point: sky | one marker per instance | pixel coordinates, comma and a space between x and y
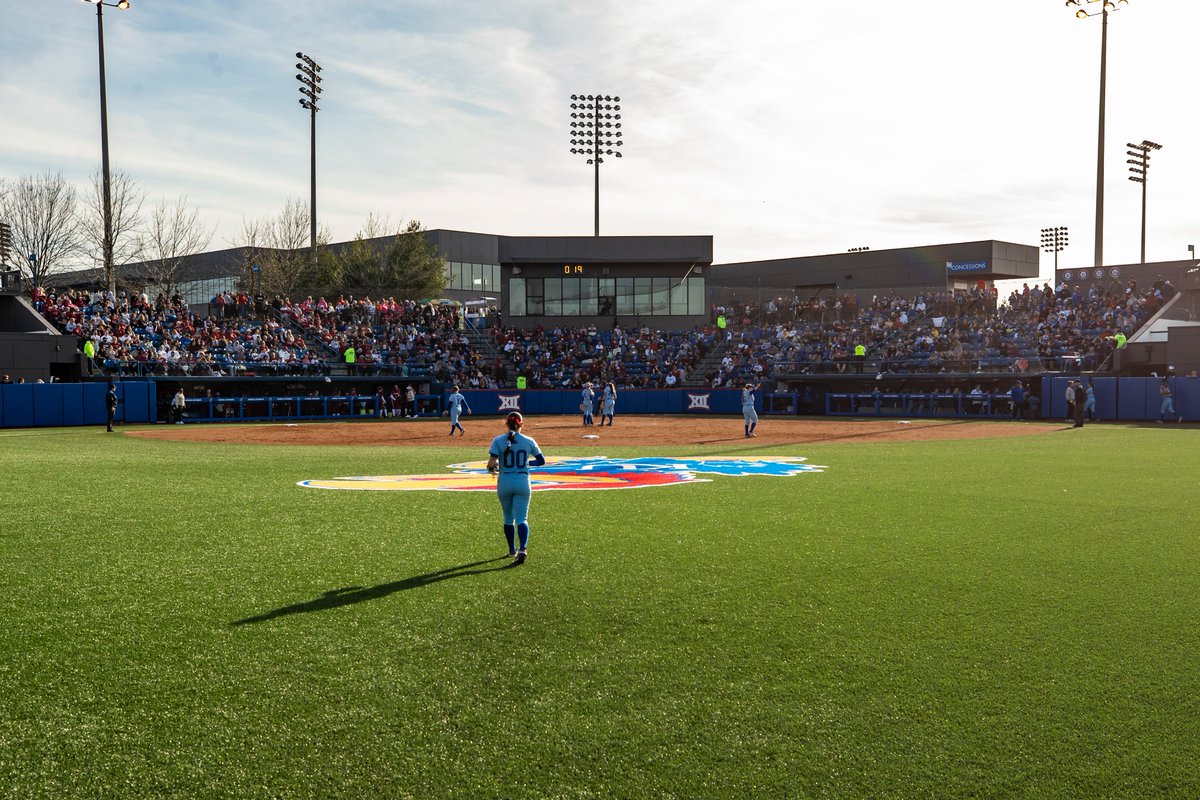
780, 127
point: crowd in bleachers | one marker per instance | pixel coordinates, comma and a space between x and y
132, 335
394, 337
635, 358
1036, 328
822, 334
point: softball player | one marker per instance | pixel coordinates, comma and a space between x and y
586, 405
456, 402
748, 413
511, 455
608, 404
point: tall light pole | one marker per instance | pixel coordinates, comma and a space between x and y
595, 130
1054, 240
1140, 167
1106, 7
109, 277
310, 80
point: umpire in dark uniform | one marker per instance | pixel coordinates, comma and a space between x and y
1077, 407
110, 403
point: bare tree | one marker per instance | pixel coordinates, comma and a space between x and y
127, 200
172, 233
46, 230
279, 246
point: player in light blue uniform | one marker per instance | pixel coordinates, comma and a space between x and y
608, 404
587, 404
748, 413
456, 403
511, 455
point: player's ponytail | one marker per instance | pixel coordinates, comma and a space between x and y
514, 421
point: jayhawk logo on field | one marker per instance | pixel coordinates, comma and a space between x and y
597, 472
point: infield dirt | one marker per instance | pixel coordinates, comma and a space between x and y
629, 431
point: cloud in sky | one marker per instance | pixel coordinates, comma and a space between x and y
781, 129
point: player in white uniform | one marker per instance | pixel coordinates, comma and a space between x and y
511, 455
608, 404
456, 403
749, 415
587, 404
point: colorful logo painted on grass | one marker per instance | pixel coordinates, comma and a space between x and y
596, 472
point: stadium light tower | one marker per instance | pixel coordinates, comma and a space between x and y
1139, 166
106, 180
595, 131
1106, 7
1054, 240
310, 80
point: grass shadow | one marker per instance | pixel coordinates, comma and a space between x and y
349, 595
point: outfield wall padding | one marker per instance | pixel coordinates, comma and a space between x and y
73, 404
629, 401
53, 405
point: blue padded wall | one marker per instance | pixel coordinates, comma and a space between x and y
18, 405
48, 405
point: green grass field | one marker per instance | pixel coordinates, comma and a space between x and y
987, 618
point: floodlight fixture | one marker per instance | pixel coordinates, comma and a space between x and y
1139, 169
593, 127
309, 78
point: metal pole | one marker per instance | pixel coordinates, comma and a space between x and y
1100, 142
1145, 180
312, 207
596, 148
110, 279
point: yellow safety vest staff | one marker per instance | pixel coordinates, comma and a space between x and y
859, 350
350, 355
520, 381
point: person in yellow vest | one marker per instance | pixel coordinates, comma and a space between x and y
89, 352
1119, 338
350, 359
521, 382
860, 357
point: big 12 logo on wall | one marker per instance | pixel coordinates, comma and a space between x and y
594, 472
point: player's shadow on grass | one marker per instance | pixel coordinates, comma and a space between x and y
349, 595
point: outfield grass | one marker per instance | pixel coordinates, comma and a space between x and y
987, 618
